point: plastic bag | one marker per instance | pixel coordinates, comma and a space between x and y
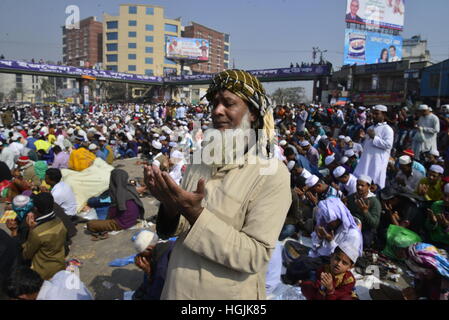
89, 215
121, 262
398, 237
286, 292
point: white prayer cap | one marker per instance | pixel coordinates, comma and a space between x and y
446, 188
155, 135
102, 138
380, 107
305, 143
343, 160
437, 169
362, 108
348, 139
312, 181
365, 178
350, 249
341, 137
405, 160
435, 153
287, 132
92, 147
163, 138
339, 171
156, 145
423, 107
291, 165
349, 153
172, 144
329, 160
283, 143
145, 239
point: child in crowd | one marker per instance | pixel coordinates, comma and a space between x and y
334, 281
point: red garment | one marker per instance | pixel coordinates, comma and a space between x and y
343, 284
24, 134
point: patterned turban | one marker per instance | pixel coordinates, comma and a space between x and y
248, 88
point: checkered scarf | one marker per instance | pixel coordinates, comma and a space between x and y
248, 88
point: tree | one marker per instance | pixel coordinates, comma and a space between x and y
294, 95
47, 87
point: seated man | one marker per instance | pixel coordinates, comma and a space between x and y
45, 245
334, 281
152, 259
408, 178
62, 192
347, 181
61, 158
366, 207
430, 188
26, 284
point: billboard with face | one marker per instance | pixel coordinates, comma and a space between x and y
380, 13
363, 47
187, 49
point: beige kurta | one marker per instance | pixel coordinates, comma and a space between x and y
224, 256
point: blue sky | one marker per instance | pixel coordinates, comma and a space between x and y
264, 33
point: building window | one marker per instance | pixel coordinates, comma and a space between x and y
167, 61
132, 68
148, 49
171, 28
112, 68
112, 47
227, 38
110, 36
149, 60
226, 56
132, 10
132, 34
132, 45
111, 58
149, 72
112, 24
226, 48
226, 65
132, 23
149, 39
150, 11
149, 27
131, 56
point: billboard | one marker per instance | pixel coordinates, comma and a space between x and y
364, 47
187, 48
380, 13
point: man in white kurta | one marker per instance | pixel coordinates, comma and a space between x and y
425, 139
376, 148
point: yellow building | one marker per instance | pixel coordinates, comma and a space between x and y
134, 41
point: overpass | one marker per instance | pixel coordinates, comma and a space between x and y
313, 72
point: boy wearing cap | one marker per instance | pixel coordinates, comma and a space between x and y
334, 281
431, 187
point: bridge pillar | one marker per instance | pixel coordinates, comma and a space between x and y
84, 91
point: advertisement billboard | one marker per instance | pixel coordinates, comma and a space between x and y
380, 13
187, 48
364, 47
